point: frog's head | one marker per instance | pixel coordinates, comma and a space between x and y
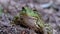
29, 12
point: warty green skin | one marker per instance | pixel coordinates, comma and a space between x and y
46, 27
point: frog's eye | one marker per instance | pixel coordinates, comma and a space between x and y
23, 9
34, 10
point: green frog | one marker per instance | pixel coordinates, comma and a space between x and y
28, 14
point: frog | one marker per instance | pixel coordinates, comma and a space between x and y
39, 22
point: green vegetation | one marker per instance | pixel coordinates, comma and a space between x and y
1, 11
